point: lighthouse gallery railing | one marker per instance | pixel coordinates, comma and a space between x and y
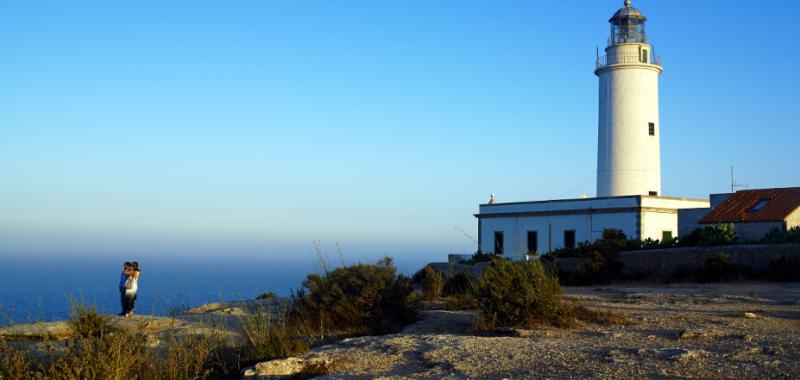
614, 59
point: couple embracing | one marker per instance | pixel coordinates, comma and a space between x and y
128, 286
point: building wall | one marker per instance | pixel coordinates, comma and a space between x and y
628, 157
639, 217
717, 199
689, 219
654, 223
793, 220
756, 231
550, 230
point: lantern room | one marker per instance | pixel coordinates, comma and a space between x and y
627, 26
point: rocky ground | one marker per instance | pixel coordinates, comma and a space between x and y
708, 331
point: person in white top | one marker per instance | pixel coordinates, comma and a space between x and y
131, 288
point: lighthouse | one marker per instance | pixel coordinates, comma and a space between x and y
629, 195
628, 150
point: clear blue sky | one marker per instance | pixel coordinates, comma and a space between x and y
264, 125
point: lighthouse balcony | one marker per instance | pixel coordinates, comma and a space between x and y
628, 58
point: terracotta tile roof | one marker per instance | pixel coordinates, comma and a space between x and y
741, 206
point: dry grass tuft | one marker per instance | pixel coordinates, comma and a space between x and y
272, 332
98, 351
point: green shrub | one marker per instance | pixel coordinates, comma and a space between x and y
479, 257
612, 241
518, 294
718, 267
785, 268
430, 281
718, 234
658, 244
781, 236
359, 299
459, 284
599, 268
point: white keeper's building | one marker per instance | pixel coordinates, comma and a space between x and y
628, 163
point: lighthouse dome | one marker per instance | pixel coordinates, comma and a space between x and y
627, 12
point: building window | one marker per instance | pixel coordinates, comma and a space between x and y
645, 56
653, 193
651, 128
498, 242
758, 206
666, 235
533, 242
569, 239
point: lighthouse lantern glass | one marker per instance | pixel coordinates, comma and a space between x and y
627, 29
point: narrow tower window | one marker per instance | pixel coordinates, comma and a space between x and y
498, 242
652, 128
645, 56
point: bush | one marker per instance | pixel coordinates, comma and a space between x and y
612, 241
719, 234
85, 323
518, 294
459, 284
599, 268
781, 236
430, 281
785, 268
359, 299
718, 267
479, 257
271, 332
97, 351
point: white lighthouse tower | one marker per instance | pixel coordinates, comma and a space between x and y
629, 195
628, 154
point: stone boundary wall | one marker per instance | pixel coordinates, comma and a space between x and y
662, 264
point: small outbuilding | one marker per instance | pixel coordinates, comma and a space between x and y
755, 212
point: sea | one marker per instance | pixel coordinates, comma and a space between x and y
40, 287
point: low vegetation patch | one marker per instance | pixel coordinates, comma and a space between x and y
518, 294
785, 267
359, 299
98, 351
272, 331
430, 281
459, 284
719, 267
714, 235
478, 257
780, 236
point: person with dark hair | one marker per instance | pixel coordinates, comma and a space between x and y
123, 278
131, 288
